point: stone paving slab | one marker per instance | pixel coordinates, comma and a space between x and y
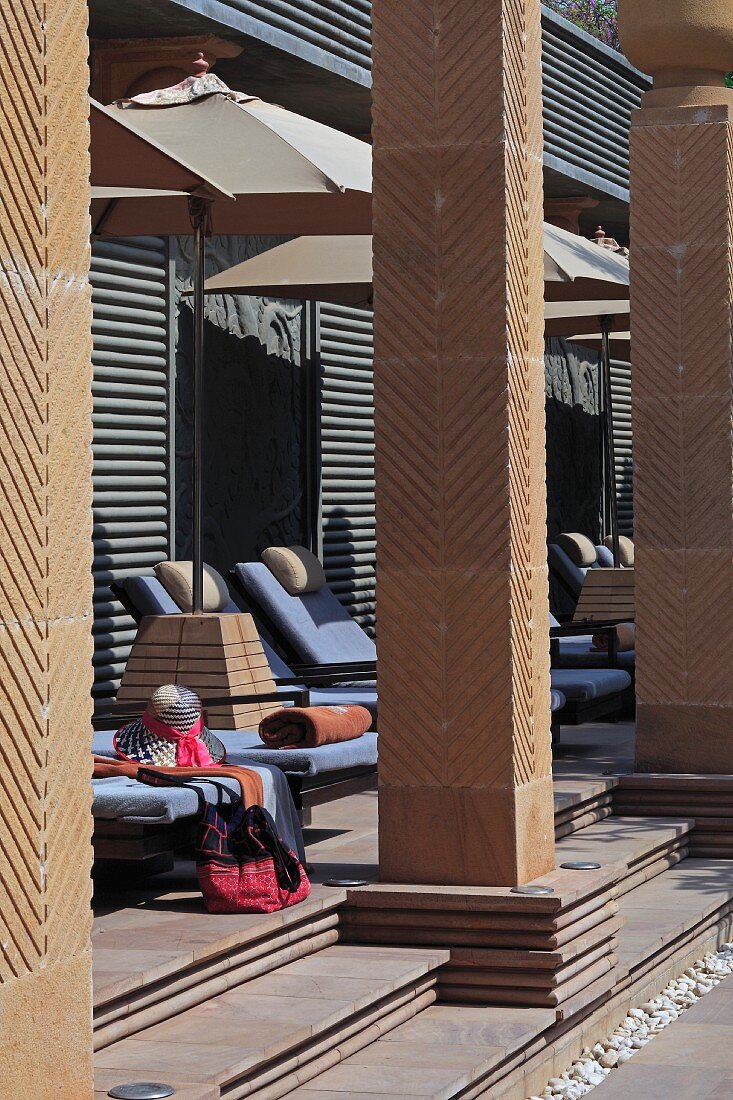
269, 1018
439, 1053
668, 906
692, 1059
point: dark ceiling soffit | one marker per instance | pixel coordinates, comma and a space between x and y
232, 20
589, 183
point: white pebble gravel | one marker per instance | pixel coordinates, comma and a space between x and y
640, 1027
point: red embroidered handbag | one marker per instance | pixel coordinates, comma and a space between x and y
242, 864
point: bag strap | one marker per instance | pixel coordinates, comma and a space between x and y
287, 866
161, 779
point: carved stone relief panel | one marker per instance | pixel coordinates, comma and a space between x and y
573, 439
254, 464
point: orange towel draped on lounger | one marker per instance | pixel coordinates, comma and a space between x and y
249, 781
309, 727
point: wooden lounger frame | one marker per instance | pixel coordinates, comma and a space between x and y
607, 595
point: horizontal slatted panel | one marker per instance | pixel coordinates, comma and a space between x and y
588, 94
589, 90
606, 593
130, 387
622, 441
347, 454
340, 27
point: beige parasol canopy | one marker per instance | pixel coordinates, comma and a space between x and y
339, 269
289, 174
572, 318
581, 274
125, 160
569, 258
319, 268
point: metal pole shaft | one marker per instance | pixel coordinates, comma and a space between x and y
606, 323
603, 426
199, 216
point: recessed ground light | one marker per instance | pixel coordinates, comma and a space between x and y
532, 891
346, 882
141, 1090
618, 775
581, 865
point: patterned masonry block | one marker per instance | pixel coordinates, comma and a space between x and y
682, 336
465, 756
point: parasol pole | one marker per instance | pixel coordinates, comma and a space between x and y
200, 212
609, 448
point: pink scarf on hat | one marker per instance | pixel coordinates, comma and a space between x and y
191, 752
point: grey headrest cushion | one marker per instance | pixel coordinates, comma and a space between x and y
177, 579
625, 549
298, 570
578, 548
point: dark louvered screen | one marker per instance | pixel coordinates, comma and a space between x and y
347, 446
588, 94
131, 510
339, 27
621, 399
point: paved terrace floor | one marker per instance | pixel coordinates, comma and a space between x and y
146, 930
692, 1059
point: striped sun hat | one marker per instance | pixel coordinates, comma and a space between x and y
170, 733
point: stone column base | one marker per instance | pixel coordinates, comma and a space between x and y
685, 738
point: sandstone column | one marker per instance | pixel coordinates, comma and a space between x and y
465, 786
682, 346
45, 555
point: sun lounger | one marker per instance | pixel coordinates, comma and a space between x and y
147, 596
572, 647
570, 574
315, 775
592, 693
141, 826
313, 628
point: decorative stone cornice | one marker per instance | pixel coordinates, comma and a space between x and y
686, 45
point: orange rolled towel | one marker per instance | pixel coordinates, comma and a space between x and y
250, 781
309, 727
625, 639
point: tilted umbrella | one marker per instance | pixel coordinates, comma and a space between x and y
289, 175
124, 163
308, 269
577, 269
582, 280
585, 285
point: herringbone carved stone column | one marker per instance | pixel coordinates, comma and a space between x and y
45, 554
682, 341
465, 787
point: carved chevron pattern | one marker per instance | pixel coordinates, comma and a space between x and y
682, 290
462, 590
45, 487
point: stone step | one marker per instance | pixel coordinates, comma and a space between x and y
706, 798
446, 1051
680, 907
152, 963
645, 847
273, 1032
581, 802
562, 958
465, 1051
